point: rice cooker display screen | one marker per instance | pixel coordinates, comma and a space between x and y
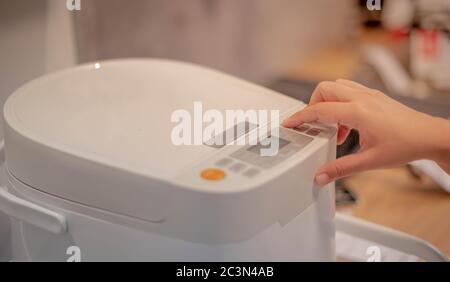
290, 142
257, 148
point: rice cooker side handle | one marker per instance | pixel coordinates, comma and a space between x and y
31, 213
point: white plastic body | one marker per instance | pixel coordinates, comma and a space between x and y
90, 148
103, 236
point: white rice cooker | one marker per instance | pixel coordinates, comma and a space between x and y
92, 171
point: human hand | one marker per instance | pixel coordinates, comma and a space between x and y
390, 133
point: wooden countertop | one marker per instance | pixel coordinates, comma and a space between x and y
392, 197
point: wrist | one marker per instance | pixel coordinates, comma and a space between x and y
438, 142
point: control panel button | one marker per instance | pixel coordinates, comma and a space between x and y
224, 162
237, 167
213, 174
313, 132
301, 128
251, 172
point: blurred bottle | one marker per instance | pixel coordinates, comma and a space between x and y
427, 22
430, 43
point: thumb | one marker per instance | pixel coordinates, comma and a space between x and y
344, 166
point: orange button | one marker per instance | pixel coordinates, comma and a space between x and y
213, 174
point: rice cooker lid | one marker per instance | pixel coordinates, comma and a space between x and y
117, 115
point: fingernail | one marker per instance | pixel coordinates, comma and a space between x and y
322, 179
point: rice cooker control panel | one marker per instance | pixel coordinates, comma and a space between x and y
249, 160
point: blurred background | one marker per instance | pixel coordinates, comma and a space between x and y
401, 47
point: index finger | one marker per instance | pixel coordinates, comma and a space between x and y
325, 112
